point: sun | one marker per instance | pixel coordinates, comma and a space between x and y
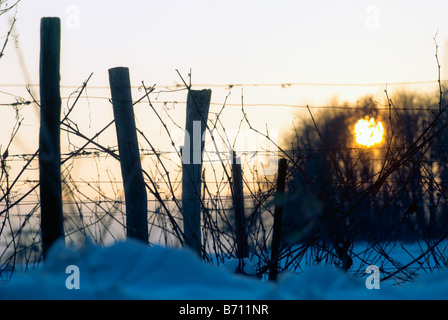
369, 132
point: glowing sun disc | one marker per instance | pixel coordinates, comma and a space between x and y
368, 132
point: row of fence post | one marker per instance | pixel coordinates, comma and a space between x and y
198, 103
49, 143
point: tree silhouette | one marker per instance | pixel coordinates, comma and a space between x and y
342, 192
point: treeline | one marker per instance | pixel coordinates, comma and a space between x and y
341, 192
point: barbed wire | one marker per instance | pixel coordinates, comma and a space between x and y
250, 105
20, 102
313, 152
280, 84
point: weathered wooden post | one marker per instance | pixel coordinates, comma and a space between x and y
131, 169
278, 212
198, 104
49, 133
238, 206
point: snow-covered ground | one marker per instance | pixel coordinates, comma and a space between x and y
130, 270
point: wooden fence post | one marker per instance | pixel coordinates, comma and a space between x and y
198, 104
278, 212
238, 205
52, 227
131, 169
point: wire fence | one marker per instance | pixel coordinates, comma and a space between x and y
328, 226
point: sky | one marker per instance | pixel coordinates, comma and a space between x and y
224, 42
354, 42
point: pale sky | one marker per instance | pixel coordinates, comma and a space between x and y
239, 41
228, 42
246, 41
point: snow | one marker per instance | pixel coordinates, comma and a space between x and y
131, 270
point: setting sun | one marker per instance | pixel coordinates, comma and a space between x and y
368, 132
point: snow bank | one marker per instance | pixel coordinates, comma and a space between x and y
130, 270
